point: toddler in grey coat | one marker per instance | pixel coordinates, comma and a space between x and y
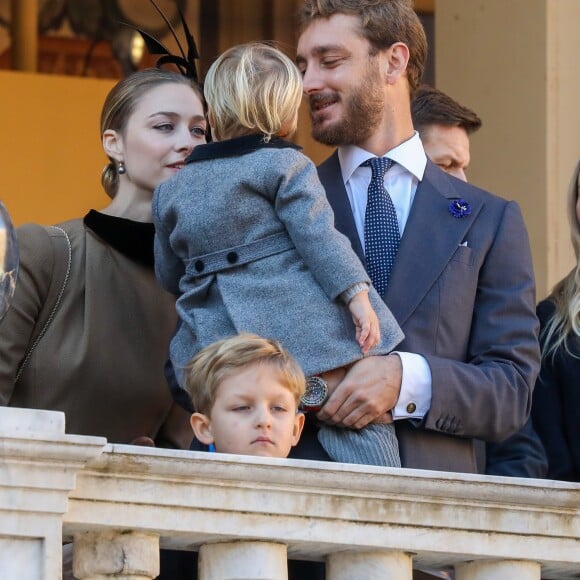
245, 237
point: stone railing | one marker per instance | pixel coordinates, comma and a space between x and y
247, 515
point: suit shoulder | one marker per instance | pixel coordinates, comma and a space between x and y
453, 187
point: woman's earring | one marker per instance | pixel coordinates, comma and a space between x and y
121, 169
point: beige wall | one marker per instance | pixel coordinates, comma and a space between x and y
514, 63
50, 146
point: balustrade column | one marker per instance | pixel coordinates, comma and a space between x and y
236, 560
498, 570
120, 555
373, 565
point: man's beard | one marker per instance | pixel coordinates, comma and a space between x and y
363, 109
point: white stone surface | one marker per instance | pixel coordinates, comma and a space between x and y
111, 554
21, 559
14, 420
375, 565
38, 465
318, 509
243, 561
354, 516
498, 570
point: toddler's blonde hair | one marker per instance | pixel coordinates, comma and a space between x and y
253, 88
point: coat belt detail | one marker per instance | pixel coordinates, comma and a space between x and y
239, 255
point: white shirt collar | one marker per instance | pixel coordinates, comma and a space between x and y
409, 154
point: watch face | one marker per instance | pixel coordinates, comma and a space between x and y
315, 394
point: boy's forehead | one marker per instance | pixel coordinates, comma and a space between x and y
254, 378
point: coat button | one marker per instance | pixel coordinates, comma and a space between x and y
199, 265
411, 408
232, 257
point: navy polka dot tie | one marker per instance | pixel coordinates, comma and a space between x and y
381, 228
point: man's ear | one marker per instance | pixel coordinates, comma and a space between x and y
201, 425
397, 61
298, 426
113, 144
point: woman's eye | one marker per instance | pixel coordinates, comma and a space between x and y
198, 131
164, 127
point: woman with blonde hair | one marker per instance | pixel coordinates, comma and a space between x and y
556, 401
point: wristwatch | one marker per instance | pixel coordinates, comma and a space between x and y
315, 395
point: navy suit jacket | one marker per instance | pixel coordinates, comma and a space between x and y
462, 289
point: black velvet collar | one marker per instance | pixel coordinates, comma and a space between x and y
132, 239
236, 147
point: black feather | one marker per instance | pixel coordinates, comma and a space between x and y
185, 63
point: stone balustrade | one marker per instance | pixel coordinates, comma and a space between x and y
246, 515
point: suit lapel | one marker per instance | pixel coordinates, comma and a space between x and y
431, 237
331, 177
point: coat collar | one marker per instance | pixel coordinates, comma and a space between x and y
236, 147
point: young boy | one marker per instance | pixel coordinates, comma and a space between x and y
246, 390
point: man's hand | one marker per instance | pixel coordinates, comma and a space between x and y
370, 389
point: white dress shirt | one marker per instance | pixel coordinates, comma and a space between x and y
401, 182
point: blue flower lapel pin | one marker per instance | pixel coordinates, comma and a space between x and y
459, 208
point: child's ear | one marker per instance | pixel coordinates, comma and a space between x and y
201, 425
298, 426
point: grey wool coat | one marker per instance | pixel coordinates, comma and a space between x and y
245, 237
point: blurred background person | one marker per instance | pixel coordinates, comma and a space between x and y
444, 127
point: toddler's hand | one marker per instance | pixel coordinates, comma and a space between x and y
365, 321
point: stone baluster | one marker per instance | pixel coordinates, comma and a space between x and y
237, 560
38, 468
123, 555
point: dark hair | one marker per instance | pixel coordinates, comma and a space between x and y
431, 106
122, 100
382, 22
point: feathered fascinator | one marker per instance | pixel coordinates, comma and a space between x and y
185, 61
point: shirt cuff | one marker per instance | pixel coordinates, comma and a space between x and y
415, 397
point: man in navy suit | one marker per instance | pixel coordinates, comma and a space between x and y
462, 285
445, 126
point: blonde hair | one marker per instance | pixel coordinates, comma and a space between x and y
564, 326
122, 101
208, 368
253, 88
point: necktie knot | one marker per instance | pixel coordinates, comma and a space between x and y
379, 166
